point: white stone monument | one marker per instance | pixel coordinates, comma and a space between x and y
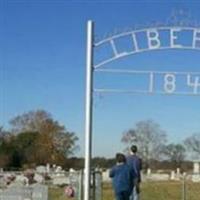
48, 168
148, 172
196, 171
178, 172
196, 168
41, 169
172, 177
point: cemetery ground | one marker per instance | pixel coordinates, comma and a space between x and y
162, 190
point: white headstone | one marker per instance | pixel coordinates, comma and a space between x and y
40, 192
54, 166
71, 170
196, 172
48, 168
196, 168
58, 169
38, 178
61, 180
105, 176
178, 172
172, 177
16, 193
21, 179
148, 172
41, 169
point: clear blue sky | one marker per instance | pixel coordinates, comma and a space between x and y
42, 66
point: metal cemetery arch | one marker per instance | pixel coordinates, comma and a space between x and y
153, 43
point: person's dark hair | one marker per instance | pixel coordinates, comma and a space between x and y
120, 158
134, 148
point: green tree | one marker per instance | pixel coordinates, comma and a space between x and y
25, 147
53, 143
3, 134
5, 155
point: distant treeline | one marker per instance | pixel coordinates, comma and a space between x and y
35, 138
106, 163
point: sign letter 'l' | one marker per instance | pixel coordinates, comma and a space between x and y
88, 109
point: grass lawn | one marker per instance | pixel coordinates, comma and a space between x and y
150, 191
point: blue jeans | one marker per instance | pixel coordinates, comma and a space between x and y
134, 195
122, 195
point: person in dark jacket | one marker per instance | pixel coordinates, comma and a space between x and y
122, 177
135, 164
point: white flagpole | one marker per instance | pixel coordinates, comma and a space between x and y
88, 110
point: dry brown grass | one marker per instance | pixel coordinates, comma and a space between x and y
149, 191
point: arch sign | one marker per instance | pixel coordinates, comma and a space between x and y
148, 39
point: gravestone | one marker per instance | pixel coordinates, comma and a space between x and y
196, 168
61, 180
41, 169
38, 178
76, 182
178, 172
172, 177
48, 168
58, 169
196, 172
148, 172
105, 176
16, 193
37, 192
98, 185
40, 192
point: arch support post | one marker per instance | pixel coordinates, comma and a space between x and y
88, 109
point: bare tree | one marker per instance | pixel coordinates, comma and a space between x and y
176, 153
34, 121
193, 144
149, 138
